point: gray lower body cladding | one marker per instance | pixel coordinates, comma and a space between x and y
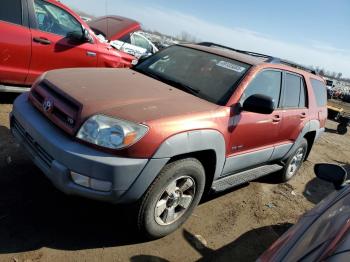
244, 177
57, 155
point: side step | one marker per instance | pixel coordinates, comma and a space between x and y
244, 177
14, 89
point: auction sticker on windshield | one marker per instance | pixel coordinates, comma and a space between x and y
231, 66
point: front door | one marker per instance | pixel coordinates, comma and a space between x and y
253, 135
51, 48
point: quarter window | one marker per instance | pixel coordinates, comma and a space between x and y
11, 11
320, 92
53, 19
266, 83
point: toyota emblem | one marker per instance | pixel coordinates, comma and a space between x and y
47, 105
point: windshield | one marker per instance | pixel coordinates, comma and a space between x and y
208, 76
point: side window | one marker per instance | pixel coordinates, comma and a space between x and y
141, 42
266, 83
320, 92
303, 95
53, 19
292, 91
11, 11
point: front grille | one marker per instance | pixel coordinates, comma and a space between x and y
45, 157
64, 111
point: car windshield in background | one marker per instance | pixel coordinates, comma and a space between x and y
208, 76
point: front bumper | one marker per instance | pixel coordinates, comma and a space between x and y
57, 154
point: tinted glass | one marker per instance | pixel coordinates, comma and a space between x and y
292, 92
320, 92
208, 76
303, 92
126, 39
266, 83
53, 19
11, 11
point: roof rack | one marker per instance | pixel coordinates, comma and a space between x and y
276, 60
209, 44
269, 59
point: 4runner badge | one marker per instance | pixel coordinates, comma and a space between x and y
47, 106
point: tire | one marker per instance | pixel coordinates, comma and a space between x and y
171, 198
294, 162
342, 129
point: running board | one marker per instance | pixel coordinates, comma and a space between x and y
244, 177
14, 89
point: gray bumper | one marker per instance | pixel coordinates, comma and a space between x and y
57, 154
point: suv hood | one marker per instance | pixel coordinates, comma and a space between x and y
125, 94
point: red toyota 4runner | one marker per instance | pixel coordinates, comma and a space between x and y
189, 119
40, 35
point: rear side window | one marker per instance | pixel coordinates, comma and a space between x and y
320, 92
11, 11
294, 93
303, 95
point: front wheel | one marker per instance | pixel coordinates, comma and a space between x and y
171, 198
295, 161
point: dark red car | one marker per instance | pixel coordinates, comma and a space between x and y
41, 35
323, 233
188, 119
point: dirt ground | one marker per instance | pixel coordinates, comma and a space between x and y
38, 223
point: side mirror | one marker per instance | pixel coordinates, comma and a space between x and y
82, 37
331, 173
260, 104
86, 36
143, 58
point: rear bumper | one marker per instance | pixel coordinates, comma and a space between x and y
57, 155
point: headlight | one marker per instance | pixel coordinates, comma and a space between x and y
111, 132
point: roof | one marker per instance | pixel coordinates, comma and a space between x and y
114, 27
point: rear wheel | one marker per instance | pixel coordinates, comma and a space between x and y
295, 161
171, 198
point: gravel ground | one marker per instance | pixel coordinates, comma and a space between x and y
39, 223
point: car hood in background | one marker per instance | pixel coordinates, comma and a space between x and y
113, 27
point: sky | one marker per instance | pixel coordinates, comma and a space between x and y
310, 32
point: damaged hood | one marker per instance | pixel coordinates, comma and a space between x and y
125, 94
113, 27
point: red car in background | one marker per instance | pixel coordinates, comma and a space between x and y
41, 35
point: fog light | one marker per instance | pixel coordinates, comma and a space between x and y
80, 179
92, 183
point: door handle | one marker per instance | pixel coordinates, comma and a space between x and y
41, 40
276, 118
303, 115
89, 53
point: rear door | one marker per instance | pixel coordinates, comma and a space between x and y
51, 48
295, 107
15, 42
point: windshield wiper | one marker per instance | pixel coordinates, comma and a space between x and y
172, 82
180, 85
